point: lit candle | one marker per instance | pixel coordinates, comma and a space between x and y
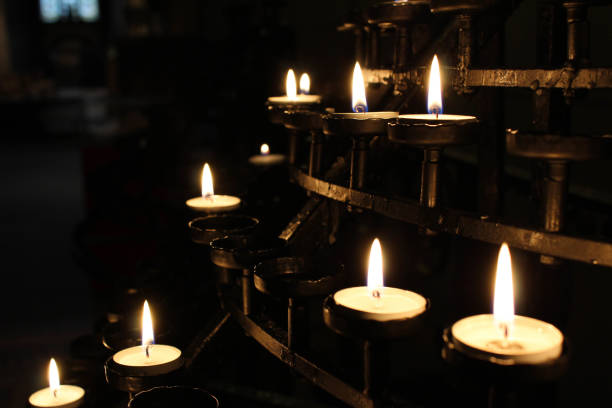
503, 336
434, 102
56, 395
265, 158
376, 301
148, 359
292, 98
211, 202
305, 84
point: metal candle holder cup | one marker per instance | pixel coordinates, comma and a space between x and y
295, 279
362, 128
240, 254
130, 379
556, 151
175, 396
432, 136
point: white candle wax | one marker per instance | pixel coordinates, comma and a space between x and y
431, 117
295, 100
393, 303
162, 359
531, 341
67, 396
215, 203
267, 159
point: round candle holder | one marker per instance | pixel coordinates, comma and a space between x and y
398, 12
239, 253
134, 379
206, 229
361, 127
311, 122
502, 371
369, 326
277, 105
432, 136
556, 151
170, 397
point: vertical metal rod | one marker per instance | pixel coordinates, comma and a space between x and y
246, 291
367, 368
291, 316
359, 157
373, 59
553, 201
577, 33
293, 146
403, 48
429, 178
316, 154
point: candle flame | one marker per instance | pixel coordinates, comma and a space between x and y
207, 182
264, 149
359, 98
54, 381
503, 300
375, 269
147, 326
305, 83
290, 85
434, 96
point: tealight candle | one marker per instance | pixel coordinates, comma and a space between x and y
149, 359
265, 158
434, 103
502, 336
209, 201
292, 98
56, 395
376, 301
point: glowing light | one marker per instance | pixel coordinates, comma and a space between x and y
305, 83
147, 326
54, 381
375, 269
207, 182
359, 98
434, 96
503, 300
264, 149
290, 85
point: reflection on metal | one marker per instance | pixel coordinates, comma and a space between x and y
464, 224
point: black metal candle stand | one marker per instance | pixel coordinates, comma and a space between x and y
502, 379
132, 380
295, 280
361, 130
306, 122
556, 151
243, 254
174, 396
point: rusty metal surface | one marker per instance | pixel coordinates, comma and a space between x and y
465, 224
274, 340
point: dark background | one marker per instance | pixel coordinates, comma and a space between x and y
99, 117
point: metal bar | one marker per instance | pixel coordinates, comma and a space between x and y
561, 78
310, 371
204, 337
464, 224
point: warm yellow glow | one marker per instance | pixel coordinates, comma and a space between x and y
54, 381
434, 97
359, 98
264, 149
375, 268
503, 300
207, 182
304, 83
290, 85
147, 325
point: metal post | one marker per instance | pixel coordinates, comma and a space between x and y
316, 154
246, 291
293, 146
553, 201
359, 157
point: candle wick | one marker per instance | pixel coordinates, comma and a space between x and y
377, 297
147, 350
55, 393
209, 197
436, 115
360, 108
